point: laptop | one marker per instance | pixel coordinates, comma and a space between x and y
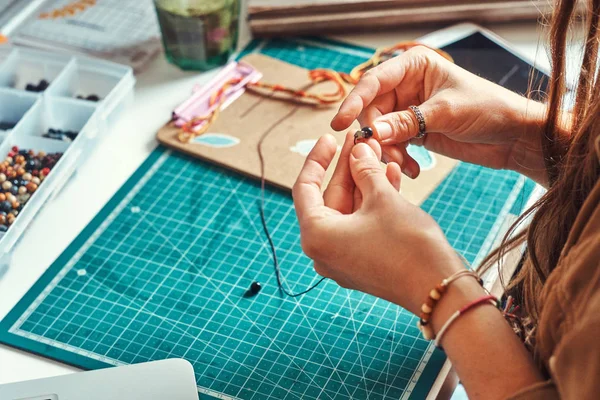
165, 379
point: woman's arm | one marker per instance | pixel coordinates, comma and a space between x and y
366, 237
488, 357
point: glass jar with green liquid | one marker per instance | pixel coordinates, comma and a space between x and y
198, 34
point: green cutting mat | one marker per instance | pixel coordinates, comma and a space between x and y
162, 269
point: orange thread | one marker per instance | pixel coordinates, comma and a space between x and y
188, 131
68, 10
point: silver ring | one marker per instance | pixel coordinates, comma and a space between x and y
420, 120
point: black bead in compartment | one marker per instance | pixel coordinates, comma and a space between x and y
39, 87
91, 97
59, 134
4, 126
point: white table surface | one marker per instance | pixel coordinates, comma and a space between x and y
159, 89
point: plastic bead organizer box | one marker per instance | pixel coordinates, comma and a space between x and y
127, 291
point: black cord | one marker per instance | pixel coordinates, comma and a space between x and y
262, 213
276, 262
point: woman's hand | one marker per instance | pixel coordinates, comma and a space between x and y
467, 117
362, 233
377, 242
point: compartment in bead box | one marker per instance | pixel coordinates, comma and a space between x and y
22, 68
88, 80
33, 113
27, 163
57, 119
14, 105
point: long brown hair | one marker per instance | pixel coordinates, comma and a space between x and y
568, 142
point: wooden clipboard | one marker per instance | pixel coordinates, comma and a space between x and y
292, 131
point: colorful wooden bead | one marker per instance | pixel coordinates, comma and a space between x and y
22, 190
5, 206
434, 294
430, 302
31, 187
27, 176
6, 185
35, 180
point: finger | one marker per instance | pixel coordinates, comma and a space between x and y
379, 80
358, 199
340, 189
399, 154
375, 146
307, 189
401, 126
394, 175
366, 171
387, 158
380, 106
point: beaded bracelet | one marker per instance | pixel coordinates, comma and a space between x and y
434, 297
483, 300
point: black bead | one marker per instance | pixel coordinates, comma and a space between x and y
30, 87
43, 85
3, 228
5, 206
4, 126
16, 182
14, 190
71, 135
255, 287
368, 132
93, 97
33, 163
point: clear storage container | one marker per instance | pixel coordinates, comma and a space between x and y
25, 116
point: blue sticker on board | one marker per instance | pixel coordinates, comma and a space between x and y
303, 147
217, 140
425, 159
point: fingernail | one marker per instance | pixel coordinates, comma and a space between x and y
384, 130
408, 173
363, 150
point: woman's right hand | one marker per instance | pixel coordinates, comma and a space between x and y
467, 117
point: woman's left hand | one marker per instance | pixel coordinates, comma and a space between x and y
362, 233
